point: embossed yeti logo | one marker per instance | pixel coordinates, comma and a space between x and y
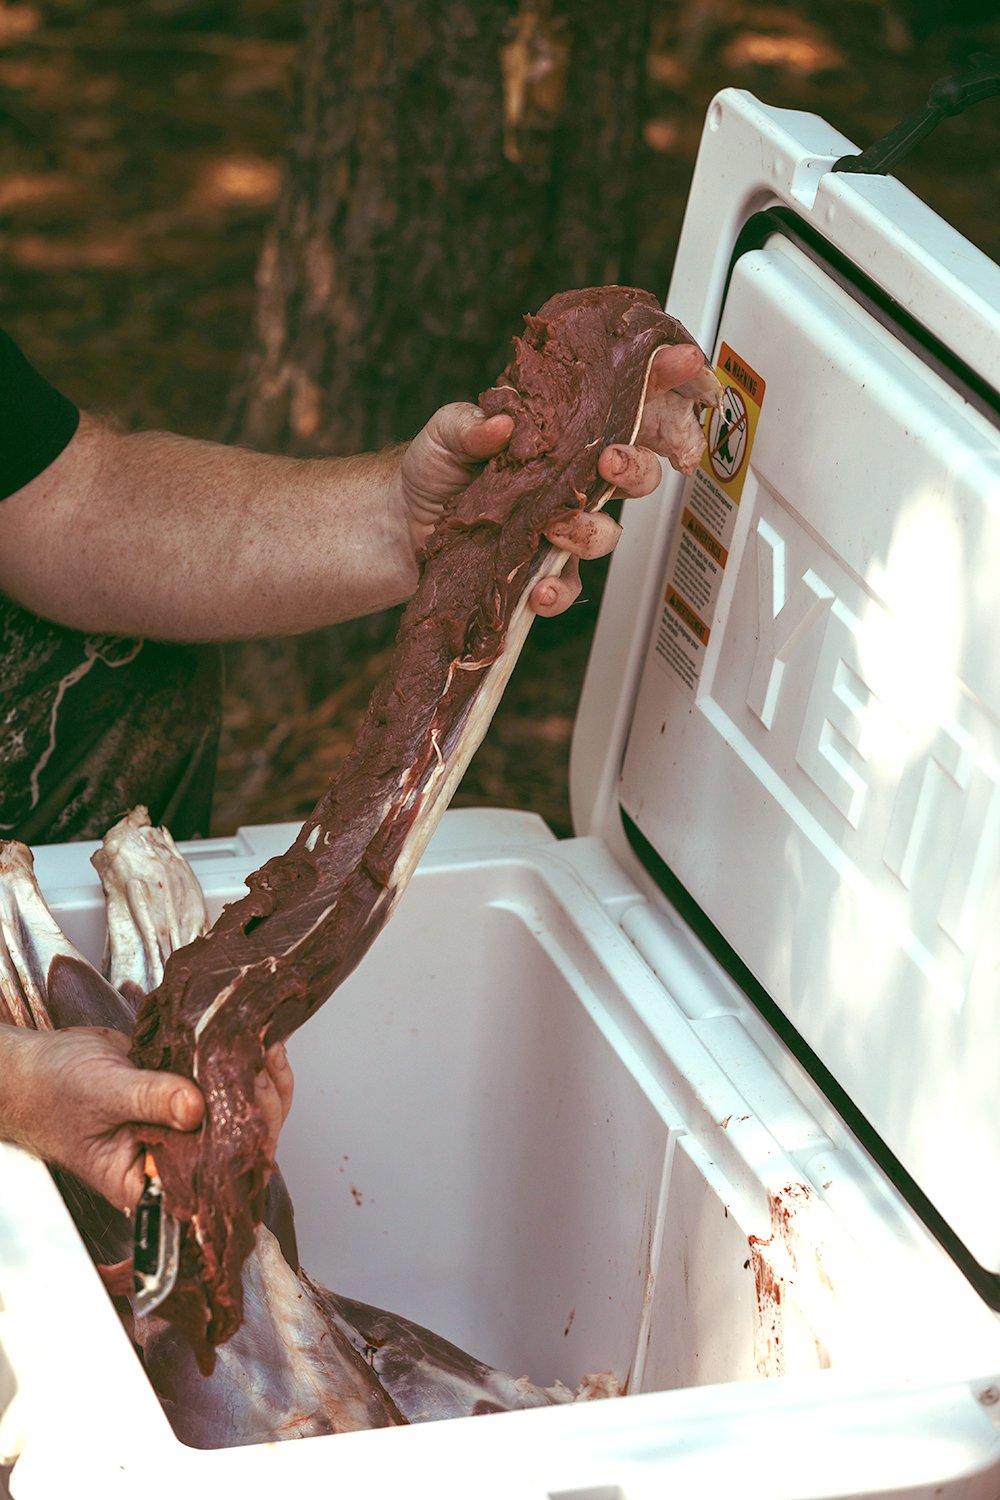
946, 777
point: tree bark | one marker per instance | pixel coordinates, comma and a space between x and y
451, 165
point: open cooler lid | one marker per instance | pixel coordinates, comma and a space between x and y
798, 656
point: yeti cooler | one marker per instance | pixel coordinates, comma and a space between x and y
706, 1095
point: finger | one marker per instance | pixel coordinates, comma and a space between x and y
586, 534
280, 1071
554, 595
672, 365
154, 1099
633, 471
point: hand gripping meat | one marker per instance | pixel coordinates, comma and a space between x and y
154, 903
577, 382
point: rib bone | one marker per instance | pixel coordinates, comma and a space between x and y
154, 902
44, 978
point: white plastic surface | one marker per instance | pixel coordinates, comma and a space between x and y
507, 1127
831, 795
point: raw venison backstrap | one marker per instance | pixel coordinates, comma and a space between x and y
576, 382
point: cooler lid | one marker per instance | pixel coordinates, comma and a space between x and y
807, 709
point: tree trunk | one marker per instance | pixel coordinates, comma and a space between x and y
452, 164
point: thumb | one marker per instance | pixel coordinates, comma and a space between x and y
467, 433
449, 425
159, 1099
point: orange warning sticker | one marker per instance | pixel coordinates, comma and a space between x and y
734, 369
706, 525
701, 534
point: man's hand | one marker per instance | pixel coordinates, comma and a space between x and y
448, 453
82, 1105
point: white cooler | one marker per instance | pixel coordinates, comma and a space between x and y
706, 1095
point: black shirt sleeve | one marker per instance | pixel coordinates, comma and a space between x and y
36, 421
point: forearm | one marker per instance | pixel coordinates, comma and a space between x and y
170, 538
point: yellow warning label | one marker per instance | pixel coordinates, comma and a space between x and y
731, 430
705, 528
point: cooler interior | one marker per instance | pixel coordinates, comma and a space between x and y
505, 1128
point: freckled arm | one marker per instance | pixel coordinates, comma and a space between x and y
170, 538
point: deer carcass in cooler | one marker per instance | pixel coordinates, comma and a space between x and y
304, 1362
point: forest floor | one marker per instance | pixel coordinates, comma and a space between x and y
140, 157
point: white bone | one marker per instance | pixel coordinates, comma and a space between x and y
154, 901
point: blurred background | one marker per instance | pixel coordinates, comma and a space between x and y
304, 226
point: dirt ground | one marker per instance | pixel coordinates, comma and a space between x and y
140, 156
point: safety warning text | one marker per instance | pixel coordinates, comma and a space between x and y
703, 535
